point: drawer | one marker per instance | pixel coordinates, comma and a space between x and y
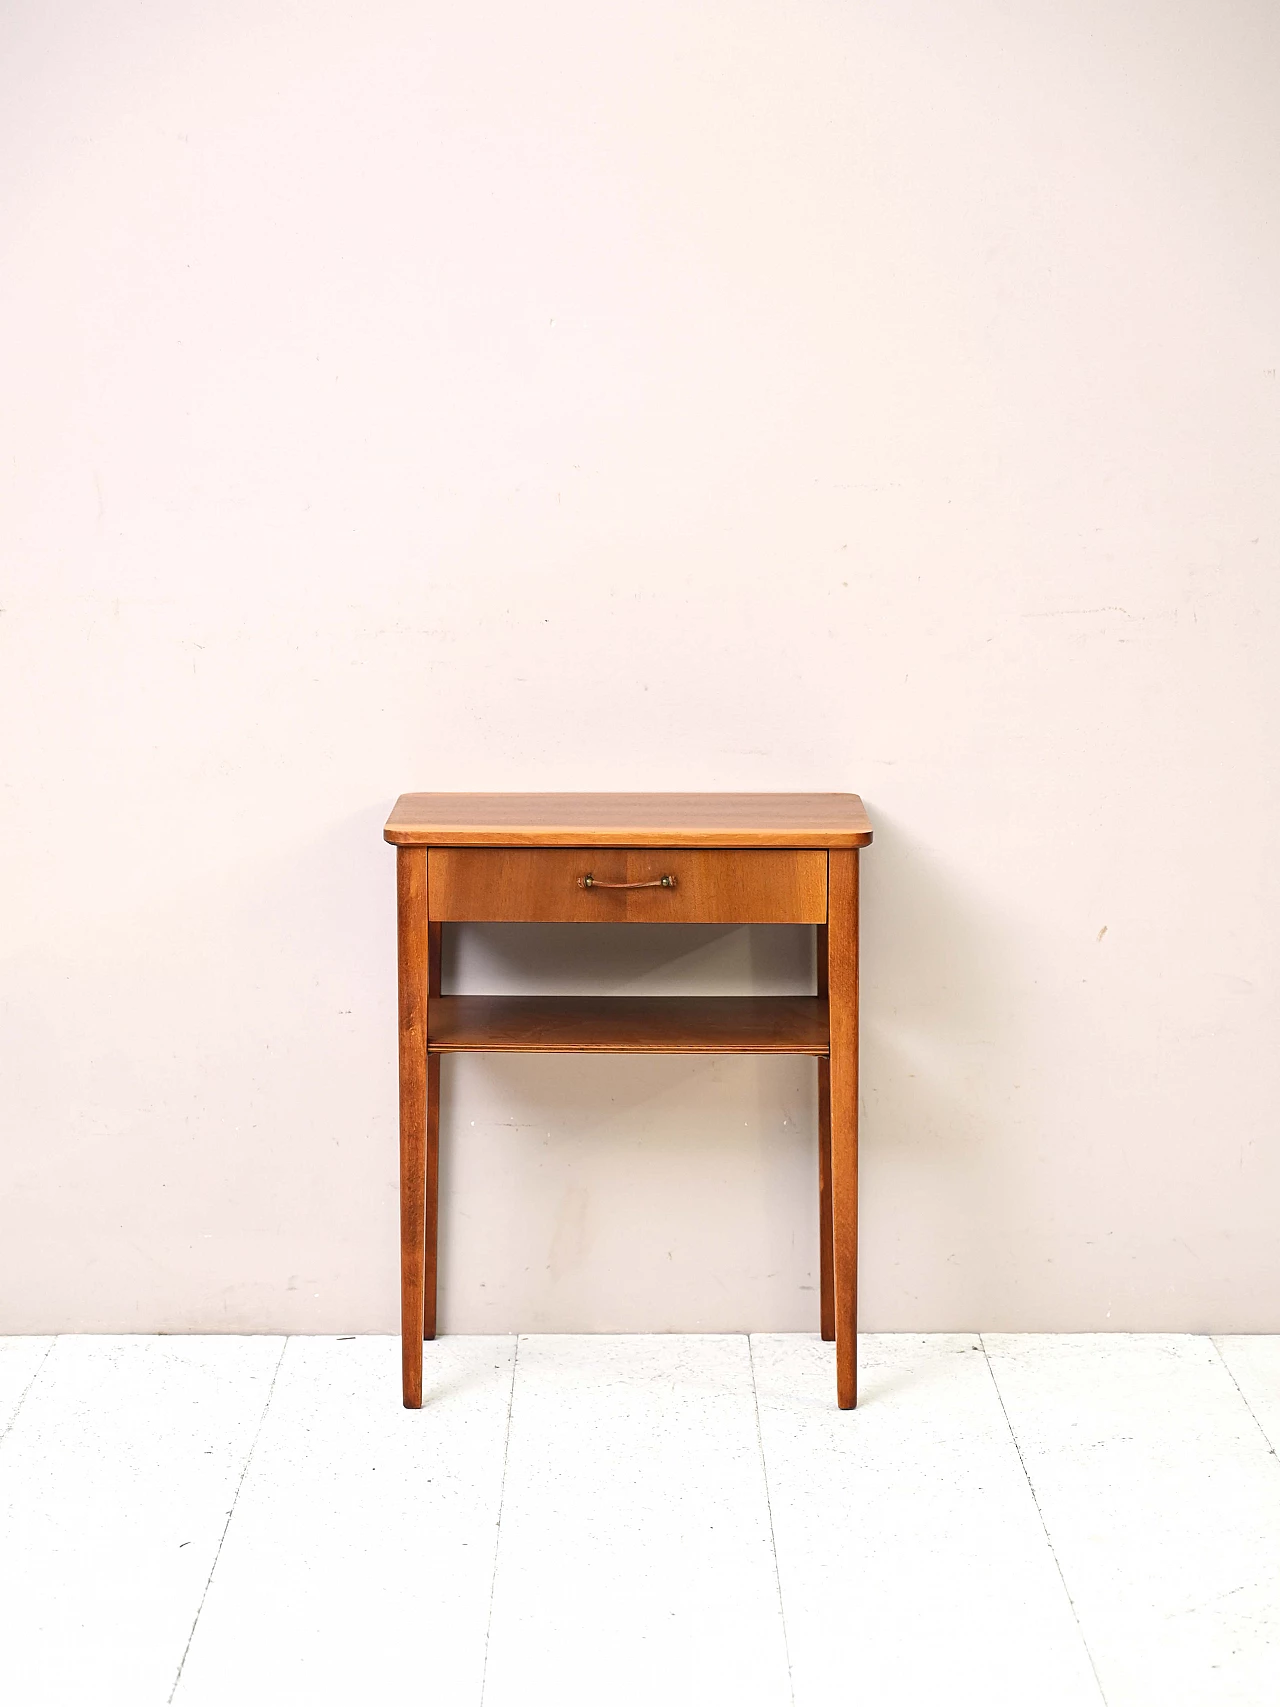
719, 886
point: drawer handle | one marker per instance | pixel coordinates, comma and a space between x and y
667, 881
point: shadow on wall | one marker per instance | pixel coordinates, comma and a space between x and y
608, 959
595, 1194
628, 1193
942, 1015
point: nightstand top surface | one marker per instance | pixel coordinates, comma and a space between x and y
629, 820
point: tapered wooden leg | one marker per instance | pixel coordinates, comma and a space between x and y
411, 920
431, 1196
431, 1193
842, 995
825, 1277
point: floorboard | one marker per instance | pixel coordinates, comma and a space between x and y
360, 1562
634, 1563
1162, 1502
914, 1565
1254, 1363
115, 1484
20, 1358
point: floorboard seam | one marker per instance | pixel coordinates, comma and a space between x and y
22, 1397
502, 1495
1213, 1341
244, 1471
1053, 1552
768, 1505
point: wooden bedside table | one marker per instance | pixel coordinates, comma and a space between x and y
626, 858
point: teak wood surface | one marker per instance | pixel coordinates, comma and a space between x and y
737, 886
629, 820
777, 857
842, 1001
412, 950
631, 1025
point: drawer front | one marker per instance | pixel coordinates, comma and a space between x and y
718, 886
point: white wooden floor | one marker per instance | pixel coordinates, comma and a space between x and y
1021, 1520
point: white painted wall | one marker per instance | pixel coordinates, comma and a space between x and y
781, 395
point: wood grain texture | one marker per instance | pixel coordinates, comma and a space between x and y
826, 1253
431, 1175
411, 941
431, 1200
842, 995
629, 820
660, 1025
716, 887
826, 1278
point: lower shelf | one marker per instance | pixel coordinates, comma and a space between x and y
658, 1025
